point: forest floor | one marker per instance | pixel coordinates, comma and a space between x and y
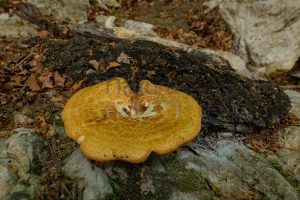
33, 96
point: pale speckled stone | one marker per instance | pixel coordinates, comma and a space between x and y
66, 10
21, 156
267, 32
183, 196
95, 183
15, 26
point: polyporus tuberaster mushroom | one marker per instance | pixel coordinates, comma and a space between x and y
111, 122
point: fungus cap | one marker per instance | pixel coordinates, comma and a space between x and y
111, 122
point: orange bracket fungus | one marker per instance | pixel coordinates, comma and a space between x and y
111, 122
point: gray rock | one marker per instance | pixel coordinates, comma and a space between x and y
236, 63
106, 21
111, 3
222, 175
7, 179
186, 155
22, 157
94, 183
106, 4
21, 119
268, 31
15, 26
295, 101
66, 10
192, 166
24, 192
2, 148
27, 149
136, 26
287, 158
157, 166
182, 196
256, 171
140, 27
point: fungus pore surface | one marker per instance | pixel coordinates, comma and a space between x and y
111, 122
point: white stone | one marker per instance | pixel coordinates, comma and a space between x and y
111, 3
183, 196
106, 21
192, 166
268, 32
95, 182
140, 27
15, 26
236, 63
66, 10
106, 4
295, 101
20, 148
6, 181
4, 16
21, 119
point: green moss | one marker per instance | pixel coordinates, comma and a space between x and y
180, 179
177, 178
59, 123
126, 189
116, 185
117, 14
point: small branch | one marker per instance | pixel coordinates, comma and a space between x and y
289, 86
28, 56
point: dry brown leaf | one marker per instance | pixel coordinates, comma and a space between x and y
31, 94
50, 133
113, 65
45, 78
59, 79
39, 67
37, 58
43, 34
23, 72
26, 111
69, 83
5, 134
10, 85
41, 125
32, 83
16, 79
95, 64
98, 65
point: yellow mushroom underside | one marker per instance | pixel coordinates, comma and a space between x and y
111, 122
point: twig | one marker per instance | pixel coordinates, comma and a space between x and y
290, 86
24, 59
